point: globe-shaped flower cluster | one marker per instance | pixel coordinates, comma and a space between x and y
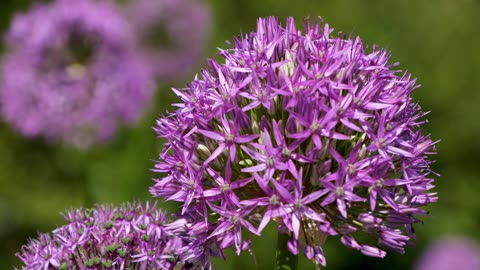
171, 33
133, 236
72, 73
312, 131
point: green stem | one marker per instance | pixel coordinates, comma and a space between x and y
87, 196
83, 177
73, 165
284, 259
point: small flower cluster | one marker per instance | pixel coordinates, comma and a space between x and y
171, 33
71, 75
308, 130
134, 236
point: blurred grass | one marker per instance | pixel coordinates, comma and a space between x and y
437, 41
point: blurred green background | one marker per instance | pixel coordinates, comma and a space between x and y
438, 41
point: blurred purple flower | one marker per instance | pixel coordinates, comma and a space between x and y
305, 129
450, 253
173, 33
134, 236
72, 75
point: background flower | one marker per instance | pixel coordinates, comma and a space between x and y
307, 129
450, 253
71, 75
173, 33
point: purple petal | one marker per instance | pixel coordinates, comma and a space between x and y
212, 135
256, 168
245, 138
314, 196
372, 251
342, 207
295, 225
215, 154
282, 192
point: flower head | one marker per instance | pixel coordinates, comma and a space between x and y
133, 236
71, 75
172, 33
305, 129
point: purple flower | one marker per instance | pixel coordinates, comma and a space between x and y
133, 236
71, 75
450, 253
306, 129
172, 33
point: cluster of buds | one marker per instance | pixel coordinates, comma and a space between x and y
134, 236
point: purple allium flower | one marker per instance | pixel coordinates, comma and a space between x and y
133, 236
172, 32
308, 130
450, 253
72, 75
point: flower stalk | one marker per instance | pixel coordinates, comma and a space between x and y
284, 259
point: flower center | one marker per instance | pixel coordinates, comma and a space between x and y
76, 71
274, 200
382, 143
71, 55
379, 183
235, 219
351, 169
229, 137
262, 95
315, 126
224, 187
340, 191
298, 203
286, 152
269, 161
